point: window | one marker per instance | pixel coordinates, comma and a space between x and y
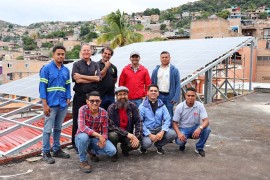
268, 44
208, 37
266, 33
263, 58
26, 65
9, 65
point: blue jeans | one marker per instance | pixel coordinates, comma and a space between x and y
107, 101
137, 102
167, 101
188, 133
169, 136
84, 143
55, 121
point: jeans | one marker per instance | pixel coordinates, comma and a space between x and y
125, 142
85, 143
107, 101
188, 133
137, 102
168, 136
167, 101
55, 121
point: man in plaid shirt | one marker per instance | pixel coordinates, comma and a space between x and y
92, 133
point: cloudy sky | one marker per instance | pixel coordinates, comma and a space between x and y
25, 12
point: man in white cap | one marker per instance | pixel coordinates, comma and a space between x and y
136, 78
124, 117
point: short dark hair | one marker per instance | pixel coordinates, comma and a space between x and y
92, 93
165, 52
191, 89
153, 85
58, 47
107, 48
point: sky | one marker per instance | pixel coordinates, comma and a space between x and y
25, 12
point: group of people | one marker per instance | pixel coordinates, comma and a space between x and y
137, 114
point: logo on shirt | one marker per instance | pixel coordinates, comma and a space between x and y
196, 114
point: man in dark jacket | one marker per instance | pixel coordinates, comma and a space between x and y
124, 117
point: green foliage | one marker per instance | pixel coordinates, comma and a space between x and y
90, 36
5, 48
56, 34
74, 53
10, 26
29, 43
137, 27
119, 33
263, 15
7, 38
47, 45
84, 30
156, 39
223, 14
162, 27
19, 58
152, 11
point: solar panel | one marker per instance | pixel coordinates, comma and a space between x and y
187, 55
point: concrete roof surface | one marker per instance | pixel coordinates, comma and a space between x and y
238, 148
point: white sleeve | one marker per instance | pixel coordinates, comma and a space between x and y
177, 113
203, 113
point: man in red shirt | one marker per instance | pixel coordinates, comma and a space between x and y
124, 117
136, 78
92, 133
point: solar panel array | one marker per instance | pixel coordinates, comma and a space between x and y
187, 55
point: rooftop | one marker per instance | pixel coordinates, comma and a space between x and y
238, 148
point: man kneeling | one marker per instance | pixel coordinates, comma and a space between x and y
187, 122
92, 134
156, 122
124, 117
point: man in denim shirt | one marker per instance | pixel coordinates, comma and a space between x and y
156, 122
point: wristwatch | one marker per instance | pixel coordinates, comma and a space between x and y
201, 127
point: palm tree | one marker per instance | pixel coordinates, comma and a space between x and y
119, 34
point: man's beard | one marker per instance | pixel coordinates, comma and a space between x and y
122, 104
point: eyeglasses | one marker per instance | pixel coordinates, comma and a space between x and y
97, 101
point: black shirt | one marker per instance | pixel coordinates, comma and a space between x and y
107, 84
83, 68
154, 106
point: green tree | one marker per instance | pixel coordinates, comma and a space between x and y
74, 53
162, 27
223, 14
119, 34
10, 26
47, 45
263, 15
84, 30
29, 43
20, 58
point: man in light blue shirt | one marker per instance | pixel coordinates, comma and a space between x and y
187, 122
156, 121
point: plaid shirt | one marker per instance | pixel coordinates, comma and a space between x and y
89, 124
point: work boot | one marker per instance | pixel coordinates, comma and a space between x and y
46, 157
85, 167
61, 154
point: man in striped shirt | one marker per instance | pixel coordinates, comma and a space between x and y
92, 133
54, 88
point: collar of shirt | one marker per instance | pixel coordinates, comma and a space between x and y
86, 62
187, 107
56, 65
134, 69
165, 67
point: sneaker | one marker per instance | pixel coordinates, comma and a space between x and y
142, 150
85, 167
182, 148
160, 150
93, 157
200, 152
61, 154
114, 158
124, 150
48, 158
